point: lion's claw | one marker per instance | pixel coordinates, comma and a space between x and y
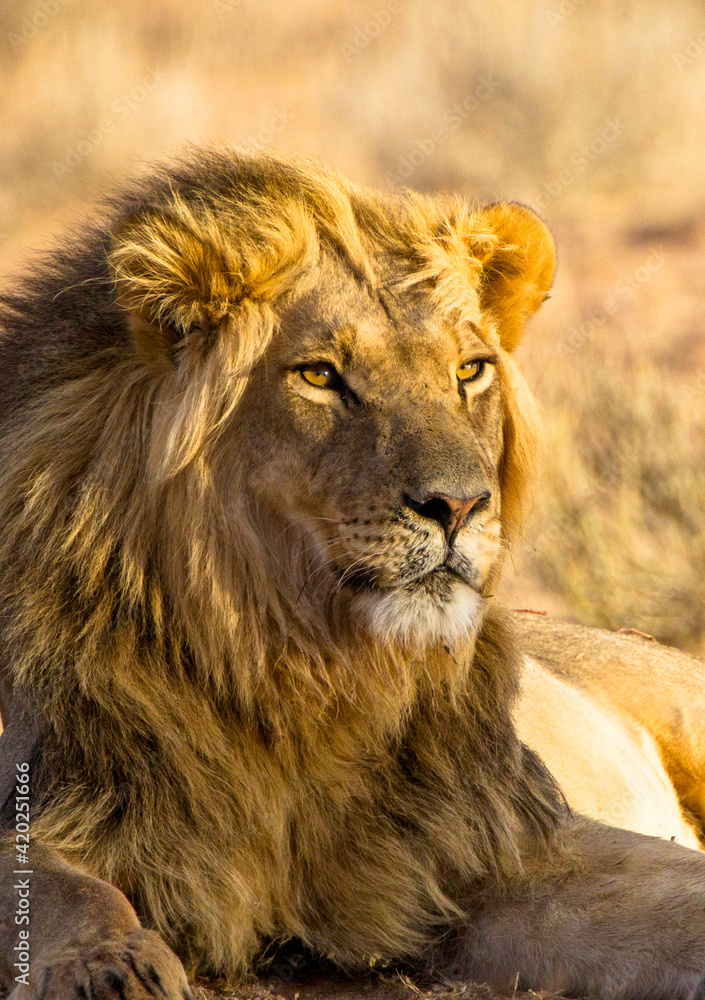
137, 967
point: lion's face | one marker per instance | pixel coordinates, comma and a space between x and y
338, 365
376, 429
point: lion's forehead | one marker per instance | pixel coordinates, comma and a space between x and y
387, 331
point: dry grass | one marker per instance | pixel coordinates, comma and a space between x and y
590, 111
619, 528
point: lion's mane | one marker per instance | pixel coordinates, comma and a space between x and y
236, 762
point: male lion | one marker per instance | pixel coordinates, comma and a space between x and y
262, 448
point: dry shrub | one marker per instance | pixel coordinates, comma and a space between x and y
509, 98
619, 525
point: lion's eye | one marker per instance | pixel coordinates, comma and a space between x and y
323, 376
469, 371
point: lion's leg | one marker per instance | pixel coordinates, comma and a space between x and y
613, 915
84, 937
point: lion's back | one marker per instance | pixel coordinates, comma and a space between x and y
650, 697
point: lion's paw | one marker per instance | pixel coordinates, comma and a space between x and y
139, 966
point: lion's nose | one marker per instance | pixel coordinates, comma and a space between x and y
450, 512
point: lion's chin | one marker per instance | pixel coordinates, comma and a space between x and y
420, 615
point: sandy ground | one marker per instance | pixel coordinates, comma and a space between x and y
322, 986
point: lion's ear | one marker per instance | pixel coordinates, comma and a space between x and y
517, 277
173, 277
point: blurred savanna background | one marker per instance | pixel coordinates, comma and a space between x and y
591, 111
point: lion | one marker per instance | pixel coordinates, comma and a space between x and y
263, 448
